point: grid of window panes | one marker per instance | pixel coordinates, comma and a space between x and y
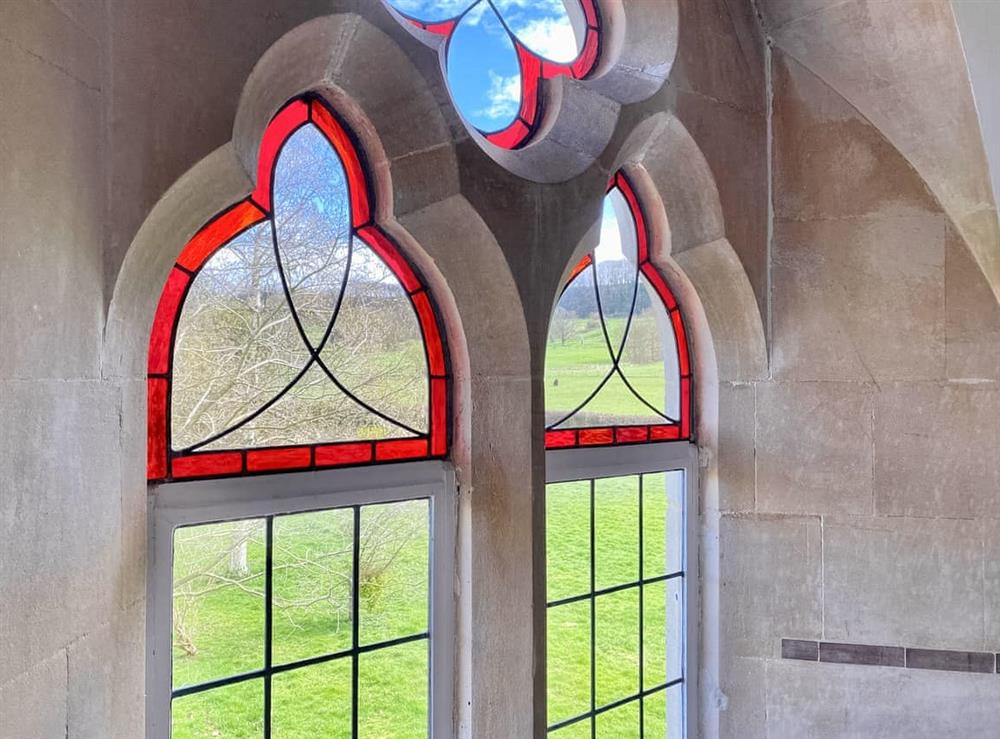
615, 616
303, 625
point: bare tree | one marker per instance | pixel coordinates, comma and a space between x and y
238, 343
314, 581
563, 325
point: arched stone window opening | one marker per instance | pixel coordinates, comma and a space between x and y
303, 518
287, 382
631, 319
539, 86
621, 472
511, 49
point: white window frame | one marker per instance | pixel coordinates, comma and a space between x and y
589, 463
173, 505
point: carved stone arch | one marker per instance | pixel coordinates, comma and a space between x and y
679, 193
414, 175
638, 46
680, 199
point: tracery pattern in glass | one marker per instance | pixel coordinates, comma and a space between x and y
617, 369
498, 52
292, 333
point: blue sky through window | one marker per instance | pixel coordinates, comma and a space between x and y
483, 71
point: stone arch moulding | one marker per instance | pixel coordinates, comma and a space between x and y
305, 113
679, 197
569, 111
326, 57
678, 192
417, 202
435, 226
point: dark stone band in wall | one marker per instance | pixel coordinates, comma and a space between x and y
886, 656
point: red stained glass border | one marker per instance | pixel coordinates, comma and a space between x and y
615, 435
288, 458
164, 464
535, 69
612, 435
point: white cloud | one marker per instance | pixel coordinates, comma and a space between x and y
431, 8
504, 97
549, 7
551, 37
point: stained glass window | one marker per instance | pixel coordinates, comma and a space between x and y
617, 369
497, 52
292, 333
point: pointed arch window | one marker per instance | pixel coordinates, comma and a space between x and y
292, 332
620, 482
498, 53
617, 369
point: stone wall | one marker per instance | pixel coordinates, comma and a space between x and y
70, 599
867, 513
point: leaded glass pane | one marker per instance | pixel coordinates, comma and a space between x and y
483, 71
230, 712
295, 331
273, 616
613, 359
218, 570
616, 594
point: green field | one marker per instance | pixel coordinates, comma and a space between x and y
219, 595
222, 631
220, 617
575, 365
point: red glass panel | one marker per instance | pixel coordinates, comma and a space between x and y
400, 449
441, 29
659, 284
591, 437
432, 339
156, 428
589, 11
264, 460
380, 244
664, 433
217, 232
682, 355
632, 199
631, 434
162, 335
560, 439
584, 263
334, 455
439, 417
531, 69
685, 407
209, 464
511, 136
551, 70
278, 130
356, 181
584, 63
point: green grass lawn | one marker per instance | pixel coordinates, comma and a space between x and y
618, 634
223, 621
224, 627
575, 366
